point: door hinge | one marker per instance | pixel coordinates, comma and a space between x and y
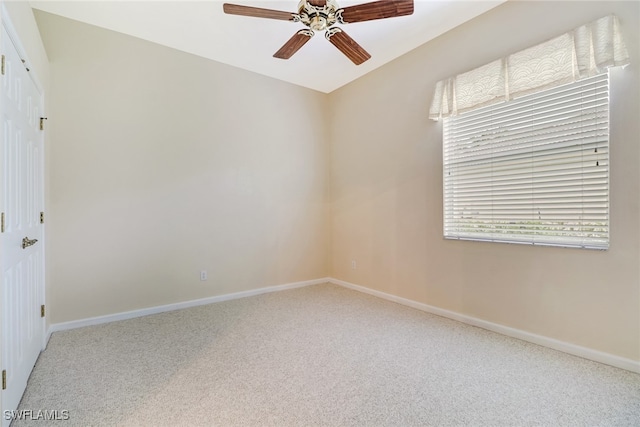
2, 223
42, 119
4, 379
41, 217
42, 310
3, 65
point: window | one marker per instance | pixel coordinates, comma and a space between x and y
526, 142
533, 170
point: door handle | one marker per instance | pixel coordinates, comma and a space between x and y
26, 242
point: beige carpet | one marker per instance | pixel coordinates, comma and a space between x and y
318, 356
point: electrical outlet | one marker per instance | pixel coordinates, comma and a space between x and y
354, 265
203, 275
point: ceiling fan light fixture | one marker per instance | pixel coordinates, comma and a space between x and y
318, 23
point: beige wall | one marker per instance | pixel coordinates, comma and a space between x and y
386, 193
166, 164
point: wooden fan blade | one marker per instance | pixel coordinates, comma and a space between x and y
347, 45
376, 10
258, 12
294, 44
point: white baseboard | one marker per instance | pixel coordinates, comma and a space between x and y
176, 306
576, 350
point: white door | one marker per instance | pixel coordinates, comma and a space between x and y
21, 201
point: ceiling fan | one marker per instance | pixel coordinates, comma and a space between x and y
320, 15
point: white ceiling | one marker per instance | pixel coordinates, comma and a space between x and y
201, 28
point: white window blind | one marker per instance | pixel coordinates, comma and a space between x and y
534, 170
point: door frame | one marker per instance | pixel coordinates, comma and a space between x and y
5, 21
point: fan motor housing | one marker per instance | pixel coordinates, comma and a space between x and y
318, 18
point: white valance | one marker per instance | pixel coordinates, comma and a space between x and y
586, 51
